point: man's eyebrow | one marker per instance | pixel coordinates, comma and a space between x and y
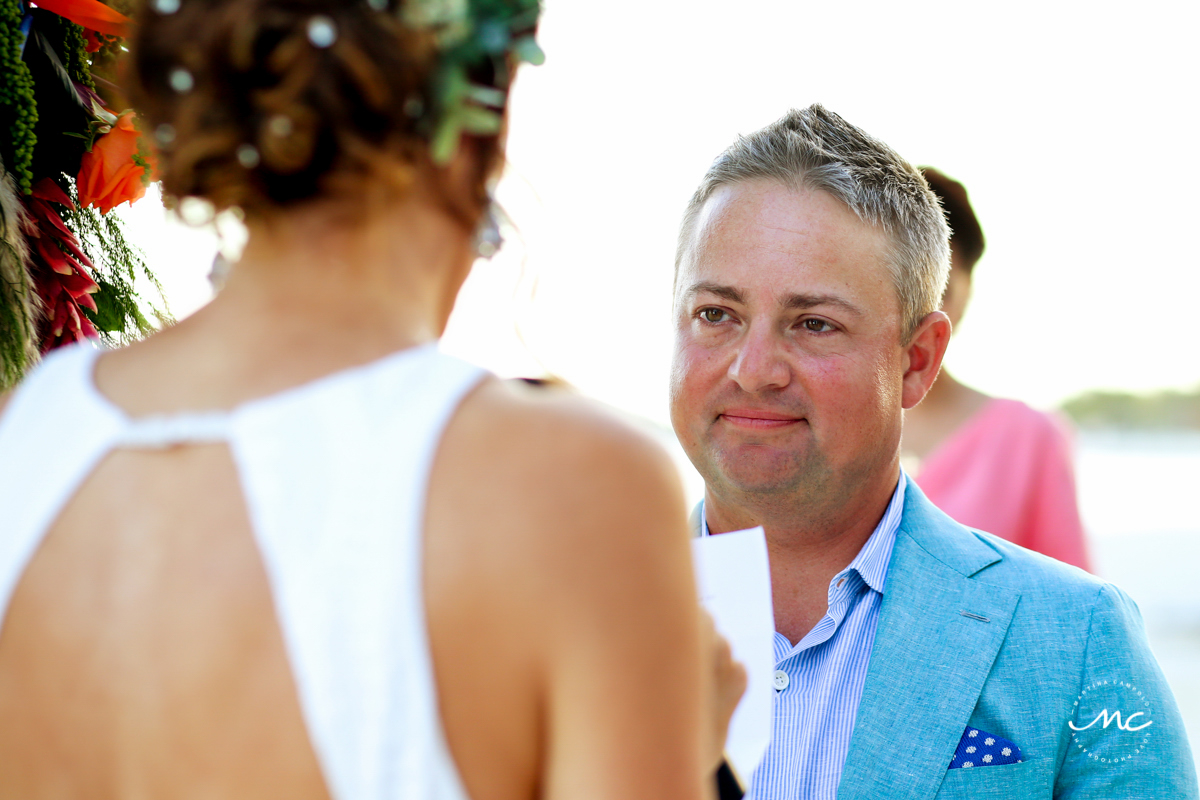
720, 290
799, 302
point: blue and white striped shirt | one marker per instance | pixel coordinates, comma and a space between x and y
823, 675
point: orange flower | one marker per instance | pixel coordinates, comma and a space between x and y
110, 174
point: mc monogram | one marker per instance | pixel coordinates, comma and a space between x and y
1127, 725
1110, 721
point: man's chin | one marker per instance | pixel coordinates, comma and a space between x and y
764, 485
767, 478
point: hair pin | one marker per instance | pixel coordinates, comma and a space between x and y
181, 80
247, 156
322, 31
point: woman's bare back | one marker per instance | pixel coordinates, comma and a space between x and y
142, 656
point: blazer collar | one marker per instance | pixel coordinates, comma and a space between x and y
942, 538
939, 632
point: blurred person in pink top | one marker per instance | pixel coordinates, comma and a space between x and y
988, 462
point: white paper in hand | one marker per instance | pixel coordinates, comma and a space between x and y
734, 578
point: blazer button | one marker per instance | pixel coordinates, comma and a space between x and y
781, 680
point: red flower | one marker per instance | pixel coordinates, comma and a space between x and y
110, 174
61, 271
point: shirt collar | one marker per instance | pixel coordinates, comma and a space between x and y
872, 560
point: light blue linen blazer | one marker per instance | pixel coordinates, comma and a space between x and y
977, 631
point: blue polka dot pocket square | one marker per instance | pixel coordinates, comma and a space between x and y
979, 748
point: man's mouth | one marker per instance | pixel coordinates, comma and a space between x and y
753, 419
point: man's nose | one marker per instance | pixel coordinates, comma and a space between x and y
760, 363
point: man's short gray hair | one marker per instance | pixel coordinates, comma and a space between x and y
814, 148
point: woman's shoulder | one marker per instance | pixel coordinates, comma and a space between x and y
554, 474
554, 432
541, 503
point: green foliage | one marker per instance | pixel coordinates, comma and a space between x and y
18, 109
74, 53
116, 310
122, 315
16, 332
142, 156
1162, 410
472, 33
119, 316
17, 327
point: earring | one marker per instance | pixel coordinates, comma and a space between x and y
488, 239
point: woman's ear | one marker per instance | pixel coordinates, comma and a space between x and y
465, 179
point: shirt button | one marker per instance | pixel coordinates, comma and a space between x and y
781, 680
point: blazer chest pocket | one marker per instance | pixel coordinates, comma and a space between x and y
1027, 780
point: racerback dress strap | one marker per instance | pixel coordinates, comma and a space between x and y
54, 431
160, 433
334, 476
52, 434
335, 479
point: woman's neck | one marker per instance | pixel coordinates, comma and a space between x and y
944, 392
947, 406
314, 293
392, 274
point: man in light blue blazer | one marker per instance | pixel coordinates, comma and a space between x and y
916, 658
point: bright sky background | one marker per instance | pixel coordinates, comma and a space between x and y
1071, 125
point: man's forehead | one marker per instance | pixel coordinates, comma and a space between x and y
756, 227
771, 205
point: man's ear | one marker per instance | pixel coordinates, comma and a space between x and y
923, 357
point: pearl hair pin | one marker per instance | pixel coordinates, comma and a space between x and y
181, 80
247, 156
322, 31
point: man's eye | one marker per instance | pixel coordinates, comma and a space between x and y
816, 325
712, 314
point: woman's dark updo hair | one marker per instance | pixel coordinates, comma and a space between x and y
268, 103
966, 235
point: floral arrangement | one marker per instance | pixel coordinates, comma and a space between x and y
66, 161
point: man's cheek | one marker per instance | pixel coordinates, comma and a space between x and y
694, 367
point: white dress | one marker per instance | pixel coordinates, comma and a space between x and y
334, 474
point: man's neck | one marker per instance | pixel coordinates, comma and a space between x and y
806, 550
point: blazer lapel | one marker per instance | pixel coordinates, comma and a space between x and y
939, 632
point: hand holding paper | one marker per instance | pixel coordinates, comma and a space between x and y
734, 579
